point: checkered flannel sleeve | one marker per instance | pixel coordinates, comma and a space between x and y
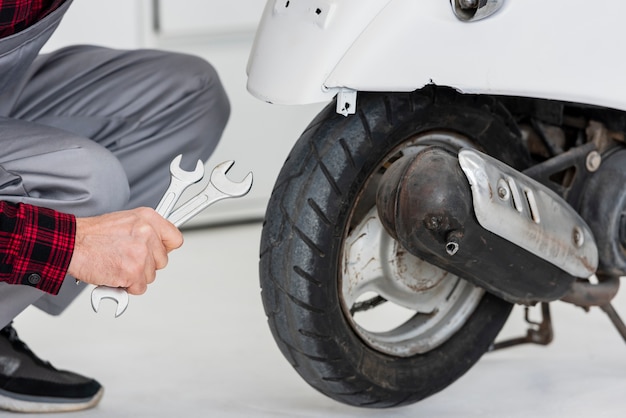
36, 246
17, 15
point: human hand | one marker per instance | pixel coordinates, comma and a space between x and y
123, 249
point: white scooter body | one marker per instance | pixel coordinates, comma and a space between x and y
307, 51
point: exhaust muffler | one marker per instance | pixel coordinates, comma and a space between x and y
487, 223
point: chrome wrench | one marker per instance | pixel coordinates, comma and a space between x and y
117, 294
218, 188
180, 180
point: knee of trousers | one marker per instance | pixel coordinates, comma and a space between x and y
100, 181
200, 80
213, 92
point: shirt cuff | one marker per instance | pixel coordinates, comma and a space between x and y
41, 247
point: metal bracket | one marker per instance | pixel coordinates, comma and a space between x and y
346, 102
540, 333
615, 319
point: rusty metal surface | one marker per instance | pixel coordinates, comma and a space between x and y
540, 332
425, 202
585, 294
528, 214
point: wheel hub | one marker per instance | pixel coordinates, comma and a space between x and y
425, 305
396, 302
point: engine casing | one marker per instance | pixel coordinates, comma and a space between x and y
603, 206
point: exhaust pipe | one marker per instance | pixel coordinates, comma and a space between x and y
487, 223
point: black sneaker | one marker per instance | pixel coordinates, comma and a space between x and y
29, 384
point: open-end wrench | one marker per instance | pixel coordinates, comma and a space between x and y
180, 180
218, 188
118, 294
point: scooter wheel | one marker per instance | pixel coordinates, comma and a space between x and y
345, 324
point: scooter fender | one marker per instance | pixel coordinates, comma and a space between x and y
559, 49
299, 43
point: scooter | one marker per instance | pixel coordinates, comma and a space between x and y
471, 158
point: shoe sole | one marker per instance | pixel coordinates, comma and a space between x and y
33, 404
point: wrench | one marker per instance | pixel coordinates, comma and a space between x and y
118, 294
180, 180
218, 188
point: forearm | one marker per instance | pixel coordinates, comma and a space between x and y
36, 245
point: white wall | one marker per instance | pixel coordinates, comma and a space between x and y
209, 16
258, 136
101, 23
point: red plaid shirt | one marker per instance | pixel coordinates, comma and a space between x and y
17, 15
36, 245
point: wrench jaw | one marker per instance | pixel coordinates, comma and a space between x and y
230, 188
117, 294
188, 176
219, 187
180, 180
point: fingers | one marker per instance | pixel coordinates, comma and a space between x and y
137, 289
169, 235
172, 238
155, 255
160, 260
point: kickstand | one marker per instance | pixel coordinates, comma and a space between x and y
615, 319
538, 332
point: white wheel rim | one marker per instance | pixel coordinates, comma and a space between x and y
425, 305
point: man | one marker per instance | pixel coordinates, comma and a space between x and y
86, 138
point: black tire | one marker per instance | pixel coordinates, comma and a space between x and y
307, 219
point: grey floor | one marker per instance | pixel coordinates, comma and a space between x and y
197, 345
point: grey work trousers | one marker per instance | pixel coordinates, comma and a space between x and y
91, 130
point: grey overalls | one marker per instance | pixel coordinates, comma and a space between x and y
88, 130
